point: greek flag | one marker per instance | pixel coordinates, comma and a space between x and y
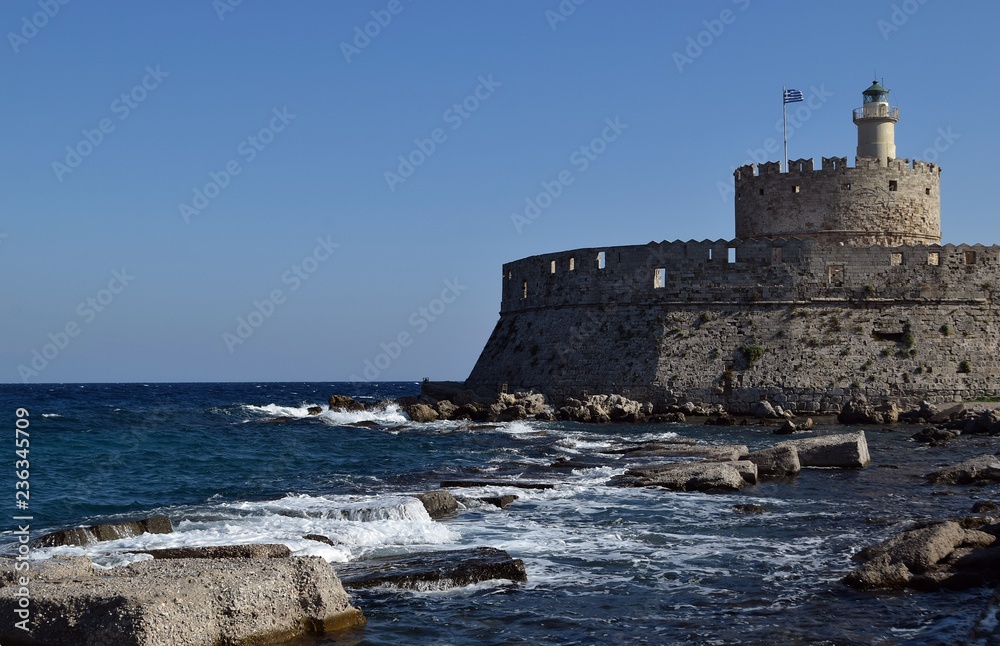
792, 96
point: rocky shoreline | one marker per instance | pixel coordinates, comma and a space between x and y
262, 594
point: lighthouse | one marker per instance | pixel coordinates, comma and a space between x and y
876, 121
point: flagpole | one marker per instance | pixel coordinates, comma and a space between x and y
784, 127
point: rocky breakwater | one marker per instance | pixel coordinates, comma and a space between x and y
731, 468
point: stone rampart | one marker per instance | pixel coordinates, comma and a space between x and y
793, 321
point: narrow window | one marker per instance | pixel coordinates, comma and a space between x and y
552, 267
572, 264
836, 275
895, 259
761, 191
893, 185
659, 278
795, 188
731, 254
524, 289
709, 254
600, 260
933, 258
927, 191
776, 254
970, 257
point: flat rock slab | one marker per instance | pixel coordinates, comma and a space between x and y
981, 469
183, 601
846, 451
433, 570
684, 449
253, 551
690, 476
777, 461
105, 532
496, 483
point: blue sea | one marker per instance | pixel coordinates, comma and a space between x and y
606, 565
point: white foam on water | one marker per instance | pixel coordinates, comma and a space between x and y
357, 525
388, 416
51, 415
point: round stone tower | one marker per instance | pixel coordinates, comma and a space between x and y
881, 200
876, 122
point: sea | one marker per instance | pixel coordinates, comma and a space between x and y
605, 564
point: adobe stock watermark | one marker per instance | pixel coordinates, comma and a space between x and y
714, 28
420, 320
294, 277
122, 108
941, 143
248, 150
563, 11
454, 116
372, 29
580, 159
222, 7
33, 24
772, 146
899, 16
87, 312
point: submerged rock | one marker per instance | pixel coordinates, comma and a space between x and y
344, 403
105, 532
941, 554
183, 601
433, 570
982, 469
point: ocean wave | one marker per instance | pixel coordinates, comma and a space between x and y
390, 415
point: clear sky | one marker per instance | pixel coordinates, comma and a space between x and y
214, 191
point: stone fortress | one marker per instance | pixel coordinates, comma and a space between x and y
835, 285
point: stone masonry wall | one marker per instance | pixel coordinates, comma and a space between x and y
897, 323
865, 205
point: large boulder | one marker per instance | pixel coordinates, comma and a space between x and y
847, 451
926, 557
421, 413
776, 461
105, 532
687, 476
982, 469
986, 423
182, 601
859, 411
434, 570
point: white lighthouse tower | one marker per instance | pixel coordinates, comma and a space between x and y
876, 121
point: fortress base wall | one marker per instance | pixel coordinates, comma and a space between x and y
828, 322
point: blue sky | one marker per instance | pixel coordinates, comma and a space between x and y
303, 260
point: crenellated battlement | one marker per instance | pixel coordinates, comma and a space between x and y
778, 270
870, 203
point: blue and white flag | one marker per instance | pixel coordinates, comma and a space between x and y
793, 96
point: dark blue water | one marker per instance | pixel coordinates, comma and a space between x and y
605, 565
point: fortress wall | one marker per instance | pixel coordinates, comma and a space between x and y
816, 355
865, 205
782, 270
833, 320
